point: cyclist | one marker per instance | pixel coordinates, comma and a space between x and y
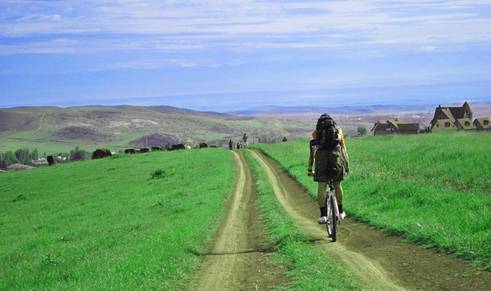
329, 155
244, 140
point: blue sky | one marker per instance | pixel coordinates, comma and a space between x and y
235, 54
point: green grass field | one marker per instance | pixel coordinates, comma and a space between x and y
435, 189
117, 223
303, 260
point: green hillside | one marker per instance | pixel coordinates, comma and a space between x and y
53, 129
434, 189
127, 222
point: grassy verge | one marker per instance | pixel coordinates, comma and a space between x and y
120, 223
434, 189
309, 267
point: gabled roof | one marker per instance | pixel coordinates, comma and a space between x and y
409, 127
381, 126
452, 113
482, 119
394, 123
457, 112
480, 122
397, 124
460, 123
448, 112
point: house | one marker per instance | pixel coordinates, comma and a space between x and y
452, 118
395, 126
482, 123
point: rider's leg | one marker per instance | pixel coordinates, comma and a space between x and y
322, 197
339, 195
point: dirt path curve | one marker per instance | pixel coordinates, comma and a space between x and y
377, 261
41, 120
237, 260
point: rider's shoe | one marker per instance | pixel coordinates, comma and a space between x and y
342, 215
322, 220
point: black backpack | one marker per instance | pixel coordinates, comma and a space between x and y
327, 133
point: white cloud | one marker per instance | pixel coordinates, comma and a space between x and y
239, 24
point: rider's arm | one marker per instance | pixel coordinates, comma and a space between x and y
344, 152
311, 157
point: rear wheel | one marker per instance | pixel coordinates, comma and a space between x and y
331, 224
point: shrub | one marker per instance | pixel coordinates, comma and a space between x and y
78, 154
362, 130
157, 174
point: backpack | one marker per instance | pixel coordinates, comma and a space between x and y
327, 133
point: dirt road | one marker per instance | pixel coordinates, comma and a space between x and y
238, 256
377, 261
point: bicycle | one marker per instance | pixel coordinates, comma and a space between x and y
333, 218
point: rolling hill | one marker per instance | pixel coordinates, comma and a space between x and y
53, 129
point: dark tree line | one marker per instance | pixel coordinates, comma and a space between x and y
26, 156
23, 156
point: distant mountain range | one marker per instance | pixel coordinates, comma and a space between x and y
282, 110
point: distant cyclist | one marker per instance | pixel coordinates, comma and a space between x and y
244, 139
329, 155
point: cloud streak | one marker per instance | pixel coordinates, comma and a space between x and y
70, 50
237, 24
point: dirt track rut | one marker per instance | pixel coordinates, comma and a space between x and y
238, 256
377, 261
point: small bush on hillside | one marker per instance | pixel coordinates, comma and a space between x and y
78, 154
19, 198
158, 174
362, 130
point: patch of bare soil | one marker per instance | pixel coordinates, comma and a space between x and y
221, 128
14, 121
17, 167
238, 256
81, 133
101, 115
378, 261
154, 140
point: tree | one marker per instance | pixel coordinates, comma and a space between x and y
362, 130
34, 155
22, 156
3, 162
78, 154
7, 158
